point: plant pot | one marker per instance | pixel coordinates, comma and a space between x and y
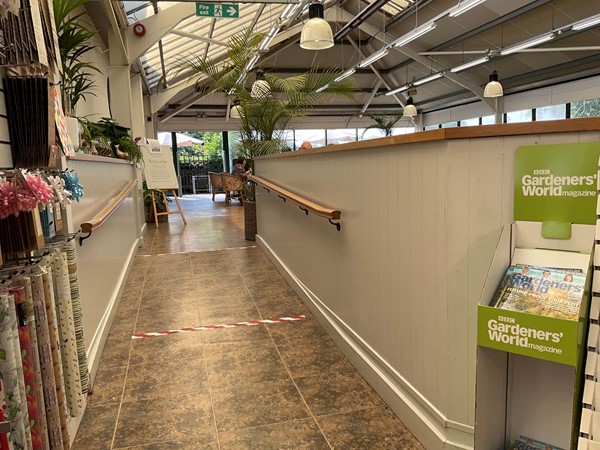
250, 220
74, 131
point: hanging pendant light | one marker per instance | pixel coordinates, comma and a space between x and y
260, 87
493, 88
234, 112
316, 34
410, 110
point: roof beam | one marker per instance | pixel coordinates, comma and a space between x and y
211, 30
115, 36
375, 71
461, 80
365, 105
157, 26
199, 38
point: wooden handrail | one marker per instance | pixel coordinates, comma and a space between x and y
107, 211
319, 210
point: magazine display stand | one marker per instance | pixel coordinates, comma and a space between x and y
589, 430
530, 368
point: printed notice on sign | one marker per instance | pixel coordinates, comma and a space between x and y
158, 166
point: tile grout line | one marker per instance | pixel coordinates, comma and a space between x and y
210, 396
112, 444
300, 393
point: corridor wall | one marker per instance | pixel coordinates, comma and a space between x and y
398, 286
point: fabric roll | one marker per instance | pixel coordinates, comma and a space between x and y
66, 329
12, 374
54, 434
55, 349
4, 444
28, 363
33, 381
69, 248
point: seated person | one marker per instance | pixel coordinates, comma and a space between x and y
239, 167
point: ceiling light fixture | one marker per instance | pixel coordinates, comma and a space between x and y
316, 33
406, 87
410, 110
493, 88
527, 44
464, 6
234, 113
432, 77
264, 45
587, 23
260, 87
417, 32
374, 57
470, 64
346, 74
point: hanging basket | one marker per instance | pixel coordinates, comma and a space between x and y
250, 220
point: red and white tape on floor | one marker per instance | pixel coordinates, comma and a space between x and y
216, 327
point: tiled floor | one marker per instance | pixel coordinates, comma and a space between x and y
277, 386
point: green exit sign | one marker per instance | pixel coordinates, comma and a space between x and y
226, 11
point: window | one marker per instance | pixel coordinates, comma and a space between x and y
519, 116
431, 127
449, 124
341, 136
488, 120
369, 133
470, 122
315, 137
585, 108
553, 112
403, 130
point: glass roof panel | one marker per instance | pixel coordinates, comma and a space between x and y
393, 7
175, 46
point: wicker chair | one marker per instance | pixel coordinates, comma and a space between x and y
216, 184
233, 186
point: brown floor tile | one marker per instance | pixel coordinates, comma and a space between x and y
229, 313
312, 357
281, 306
243, 367
337, 392
116, 351
376, 428
174, 347
295, 435
208, 442
258, 404
97, 428
173, 418
108, 385
245, 339
302, 329
148, 381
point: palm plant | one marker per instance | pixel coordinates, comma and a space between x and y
74, 38
264, 118
383, 122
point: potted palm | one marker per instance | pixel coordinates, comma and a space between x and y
74, 41
264, 116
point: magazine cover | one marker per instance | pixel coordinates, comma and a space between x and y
546, 291
525, 443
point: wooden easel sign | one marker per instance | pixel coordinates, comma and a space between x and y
160, 175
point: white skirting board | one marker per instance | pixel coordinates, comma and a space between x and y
94, 352
426, 422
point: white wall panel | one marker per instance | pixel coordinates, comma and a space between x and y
420, 223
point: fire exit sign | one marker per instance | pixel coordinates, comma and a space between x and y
225, 11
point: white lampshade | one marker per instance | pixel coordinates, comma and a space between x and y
493, 88
316, 33
260, 88
410, 110
234, 112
